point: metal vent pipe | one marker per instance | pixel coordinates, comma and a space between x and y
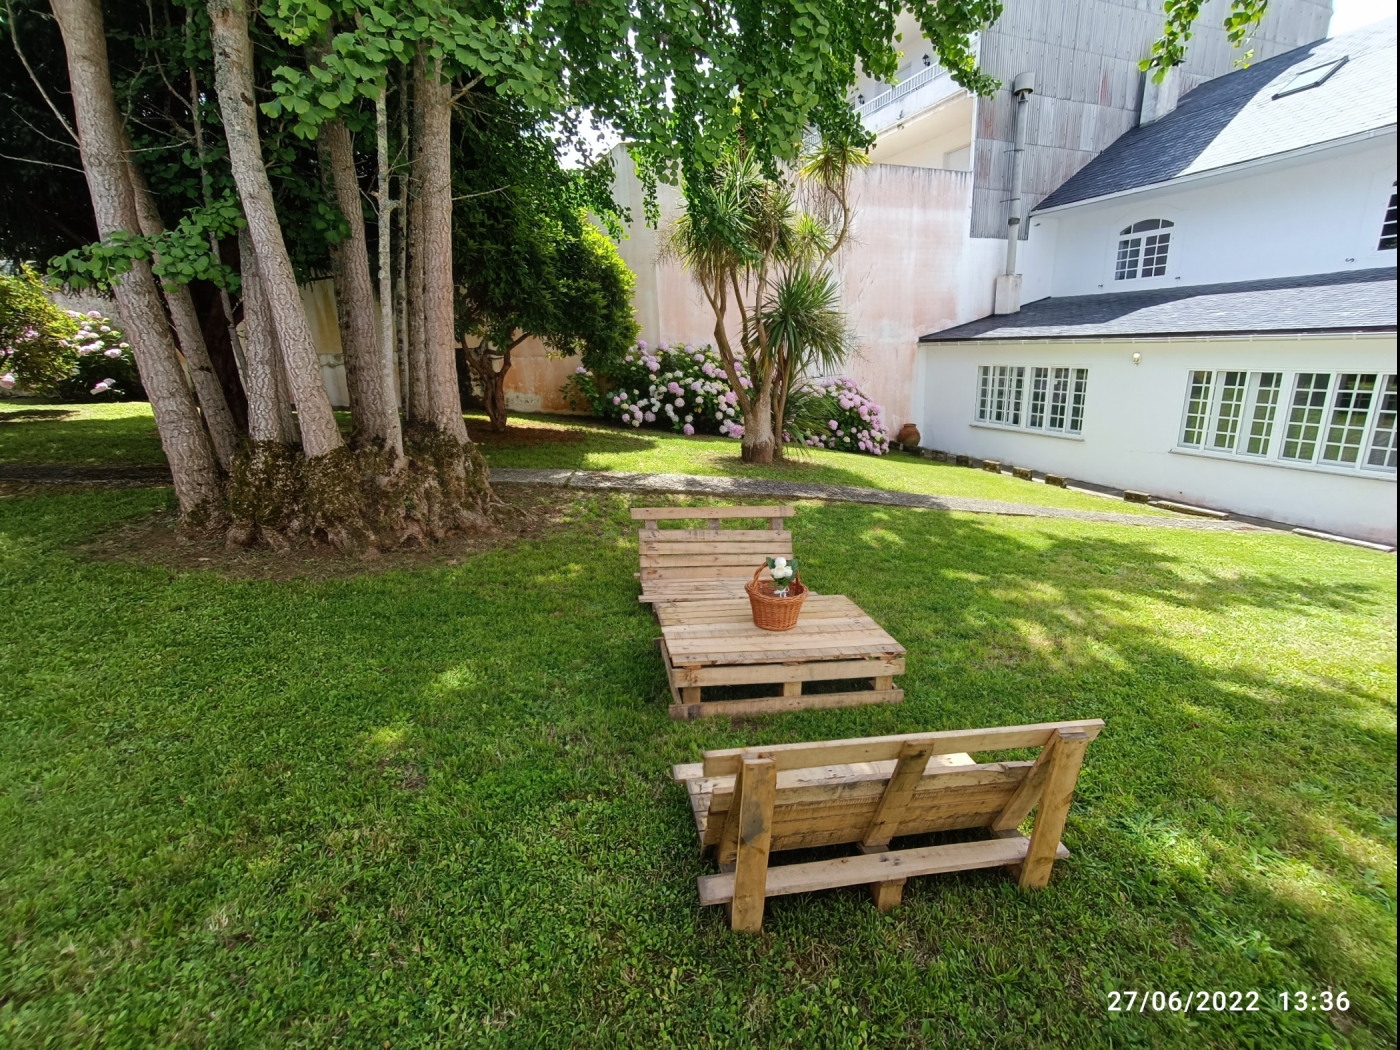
1022, 87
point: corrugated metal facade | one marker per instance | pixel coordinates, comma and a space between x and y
1084, 54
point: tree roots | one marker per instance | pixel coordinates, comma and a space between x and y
360, 501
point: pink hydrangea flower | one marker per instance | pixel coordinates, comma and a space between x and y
688, 430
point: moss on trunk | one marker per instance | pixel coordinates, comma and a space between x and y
359, 501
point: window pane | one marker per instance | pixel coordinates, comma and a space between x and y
1018, 387
1059, 397
1305, 415
1382, 452
1197, 410
1154, 255
1040, 384
1006, 394
1227, 418
1129, 251
1351, 407
1076, 408
1387, 242
984, 391
1261, 423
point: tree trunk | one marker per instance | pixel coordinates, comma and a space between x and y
218, 338
223, 432
393, 434
269, 414
371, 406
493, 381
434, 102
100, 135
233, 78
415, 355
757, 443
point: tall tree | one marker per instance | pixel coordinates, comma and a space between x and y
233, 78
101, 141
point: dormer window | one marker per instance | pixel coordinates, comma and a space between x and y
1142, 250
1387, 243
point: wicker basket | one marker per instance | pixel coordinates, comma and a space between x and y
770, 612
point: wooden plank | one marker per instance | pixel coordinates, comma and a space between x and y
834, 626
766, 536
713, 547
883, 748
687, 561
908, 771
705, 513
813, 671
780, 656
777, 704
1027, 795
737, 610
1054, 808
875, 867
755, 833
702, 573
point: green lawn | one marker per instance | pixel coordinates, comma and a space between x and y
31, 432
429, 806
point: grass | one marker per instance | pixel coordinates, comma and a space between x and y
125, 433
430, 807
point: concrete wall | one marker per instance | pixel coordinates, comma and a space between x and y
1133, 416
910, 269
1088, 87
1317, 214
534, 381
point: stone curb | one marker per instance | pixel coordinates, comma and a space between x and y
700, 485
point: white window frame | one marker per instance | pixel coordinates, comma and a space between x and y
1019, 406
1276, 443
1125, 236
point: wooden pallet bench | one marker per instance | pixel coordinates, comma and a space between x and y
683, 565
751, 802
715, 643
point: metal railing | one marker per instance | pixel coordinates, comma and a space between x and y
927, 75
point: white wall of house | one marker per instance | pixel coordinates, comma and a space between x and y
1133, 417
1319, 212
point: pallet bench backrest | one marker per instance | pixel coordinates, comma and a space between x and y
867, 791
712, 552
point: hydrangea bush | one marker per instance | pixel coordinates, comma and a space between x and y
680, 388
47, 350
685, 389
854, 422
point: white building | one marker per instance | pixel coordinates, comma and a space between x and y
1210, 305
931, 211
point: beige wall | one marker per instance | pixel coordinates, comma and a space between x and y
910, 269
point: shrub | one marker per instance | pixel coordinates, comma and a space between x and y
45, 349
644, 386
853, 422
680, 388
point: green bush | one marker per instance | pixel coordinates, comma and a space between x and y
47, 350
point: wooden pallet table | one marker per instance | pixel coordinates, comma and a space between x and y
714, 643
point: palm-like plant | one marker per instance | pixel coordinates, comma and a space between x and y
747, 243
807, 333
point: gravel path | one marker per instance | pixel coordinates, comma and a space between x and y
697, 485
679, 484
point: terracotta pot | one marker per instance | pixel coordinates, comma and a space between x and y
908, 434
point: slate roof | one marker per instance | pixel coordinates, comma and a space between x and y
1235, 118
1354, 301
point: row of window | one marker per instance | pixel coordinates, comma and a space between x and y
1054, 401
1143, 246
1344, 419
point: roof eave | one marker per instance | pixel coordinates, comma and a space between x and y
1227, 169
1103, 337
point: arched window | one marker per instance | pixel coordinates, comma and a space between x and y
1142, 250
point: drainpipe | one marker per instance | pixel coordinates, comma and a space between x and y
1007, 299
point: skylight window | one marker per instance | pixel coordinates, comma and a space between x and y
1310, 78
